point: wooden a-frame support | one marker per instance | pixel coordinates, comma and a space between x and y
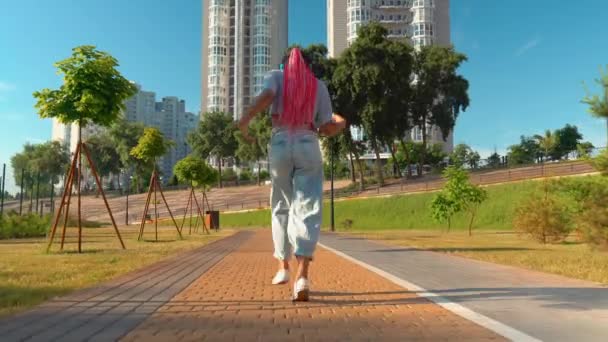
75, 175
154, 187
192, 200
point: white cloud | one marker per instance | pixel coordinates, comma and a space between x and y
531, 44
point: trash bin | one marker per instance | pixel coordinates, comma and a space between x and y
212, 219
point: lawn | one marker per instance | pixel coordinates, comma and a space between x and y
29, 275
406, 212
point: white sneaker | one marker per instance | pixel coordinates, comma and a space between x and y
282, 277
301, 290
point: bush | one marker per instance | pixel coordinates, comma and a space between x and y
228, 175
601, 162
14, 226
264, 175
544, 219
593, 221
245, 175
341, 169
578, 191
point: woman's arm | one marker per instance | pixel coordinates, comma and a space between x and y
333, 127
260, 103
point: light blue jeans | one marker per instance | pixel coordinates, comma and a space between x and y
296, 168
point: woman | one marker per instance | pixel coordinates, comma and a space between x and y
300, 108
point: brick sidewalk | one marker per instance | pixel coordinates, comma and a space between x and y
234, 301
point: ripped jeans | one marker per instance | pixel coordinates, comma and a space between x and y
296, 168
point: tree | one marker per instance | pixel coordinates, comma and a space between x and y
494, 160
8, 196
584, 150
151, 146
598, 104
194, 171
374, 74
214, 138
410, 152
104, 154
260, 130
439, 92
464, 155
458, 195
93, 91
547, 143
568, 138
125, 136
50, 160
526, 152
174, 181
443, 208
474, 159
346, 102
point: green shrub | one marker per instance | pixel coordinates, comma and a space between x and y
14, 226
577, 191
601, 162
245, 175
264, 175
341, 169
593, 220
545, 219
228, 175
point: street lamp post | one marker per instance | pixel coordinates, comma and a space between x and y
2, 189
127, 204
333, 227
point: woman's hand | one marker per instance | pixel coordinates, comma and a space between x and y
334, 127
244, 128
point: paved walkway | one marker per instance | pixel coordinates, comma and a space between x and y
543, 306
111, 310
221, 292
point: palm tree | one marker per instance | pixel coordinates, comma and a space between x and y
547, 143
598, 105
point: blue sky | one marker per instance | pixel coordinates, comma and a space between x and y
527, 59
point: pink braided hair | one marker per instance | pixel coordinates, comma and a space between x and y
299, 92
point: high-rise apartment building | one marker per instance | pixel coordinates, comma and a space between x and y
419, 22
242, 41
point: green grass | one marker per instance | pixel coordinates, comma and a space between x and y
406, 212
29, 275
